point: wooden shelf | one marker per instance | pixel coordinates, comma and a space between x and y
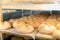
13, 32
32, 6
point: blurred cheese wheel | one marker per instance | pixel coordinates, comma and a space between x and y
11, 21
46, 29
56, 34
58, 25
5, 25
15, 24
24, 29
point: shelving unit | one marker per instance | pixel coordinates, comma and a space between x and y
46, 7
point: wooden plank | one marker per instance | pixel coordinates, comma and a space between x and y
32, 6
22, 6
28, 1
1, 15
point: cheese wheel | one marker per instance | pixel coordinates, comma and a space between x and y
5, 25
11, 21
58, 25
46, 28
22, 27
56, 34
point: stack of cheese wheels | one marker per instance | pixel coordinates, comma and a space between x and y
51, 26
32, 20
3, 25
52, 19
48, 26
25, 19
58, 17
36, 20
56, 33
22, 27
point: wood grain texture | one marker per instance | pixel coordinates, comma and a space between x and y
27, 1
1, 15
33, 1
22, 6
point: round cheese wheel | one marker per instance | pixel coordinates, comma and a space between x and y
5, 25
46, 29
56, 34
22, 27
